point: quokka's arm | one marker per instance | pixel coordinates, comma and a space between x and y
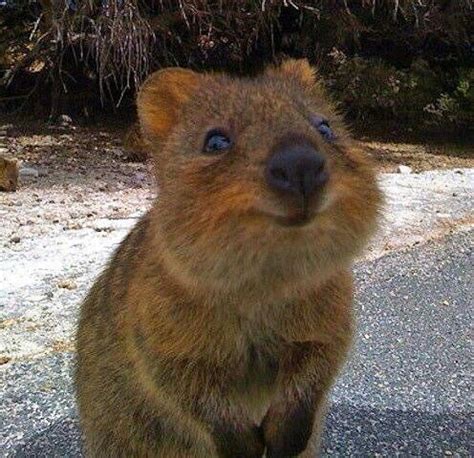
306, 374
202, 392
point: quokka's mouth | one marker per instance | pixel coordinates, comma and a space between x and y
295, 219
289, 220
295, 214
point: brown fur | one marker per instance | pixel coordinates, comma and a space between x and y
8, 174
216, 330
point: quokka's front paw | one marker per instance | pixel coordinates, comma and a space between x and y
287, 429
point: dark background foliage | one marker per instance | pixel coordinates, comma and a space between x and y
406, 64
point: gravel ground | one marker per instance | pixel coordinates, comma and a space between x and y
405, 392
422, 206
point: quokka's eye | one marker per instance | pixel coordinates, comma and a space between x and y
323, 127
217, 142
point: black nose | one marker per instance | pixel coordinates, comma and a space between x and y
297, 168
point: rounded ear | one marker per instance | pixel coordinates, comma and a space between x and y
299, 69
161, 99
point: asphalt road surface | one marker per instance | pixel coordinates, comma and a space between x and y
405, 392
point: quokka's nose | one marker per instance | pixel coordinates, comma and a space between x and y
297, 168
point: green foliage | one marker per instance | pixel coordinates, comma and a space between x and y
420, 96
456, 106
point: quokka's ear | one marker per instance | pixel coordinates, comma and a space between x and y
161, 98
299, 69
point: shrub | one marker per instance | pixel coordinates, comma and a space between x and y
400, 60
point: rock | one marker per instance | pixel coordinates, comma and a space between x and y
6, 127
4, 359
135, 148
15, 239
8, 174
118, 152
139, 176
138, 179
72, 226
404, 169
29, 172
67, 283
103, 229
4, 131
64, 120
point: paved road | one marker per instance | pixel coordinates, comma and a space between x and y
405, 391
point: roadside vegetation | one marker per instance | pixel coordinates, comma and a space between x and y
407, 63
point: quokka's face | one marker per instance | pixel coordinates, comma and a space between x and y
255, 174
